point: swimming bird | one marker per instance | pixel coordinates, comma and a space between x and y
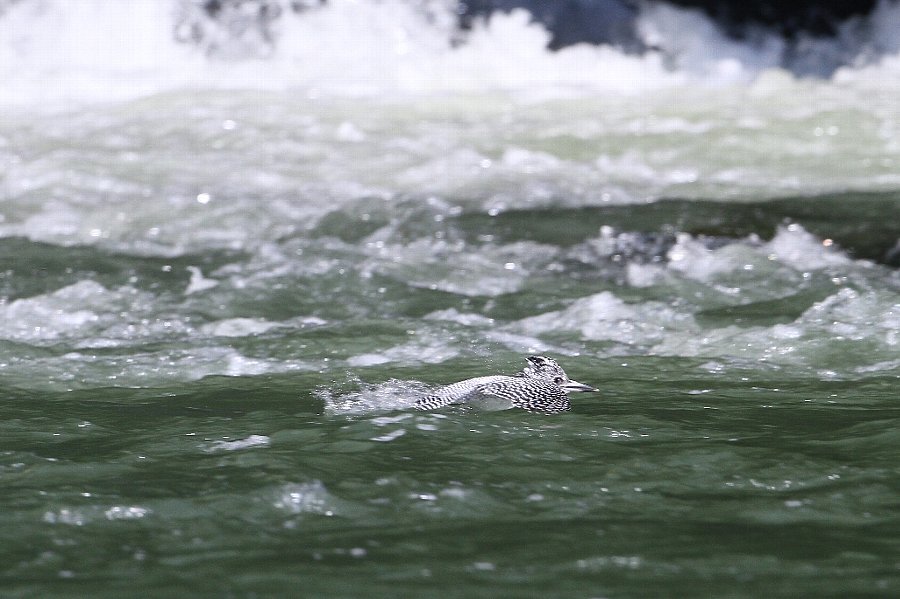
542, 387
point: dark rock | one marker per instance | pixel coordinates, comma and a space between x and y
568, 21
610, 21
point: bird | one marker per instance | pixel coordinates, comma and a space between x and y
542, 387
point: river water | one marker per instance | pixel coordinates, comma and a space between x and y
224, 282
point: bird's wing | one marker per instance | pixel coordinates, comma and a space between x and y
533, 395
460, 392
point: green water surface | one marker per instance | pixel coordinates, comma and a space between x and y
669, 483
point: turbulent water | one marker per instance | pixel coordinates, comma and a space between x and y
224, 282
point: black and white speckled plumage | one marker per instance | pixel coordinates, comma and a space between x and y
542, 387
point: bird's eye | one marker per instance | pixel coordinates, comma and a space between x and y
558, 380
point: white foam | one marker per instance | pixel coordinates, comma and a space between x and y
54, 315
135, 367
70, 516
88, 515
836, 332
692, 258
384, 397
884, 366
796, 247
127, 512
305, 498
603, 316
251, 441
429, 346
699, 47
237, 364
525, 344
365, 360
238, 327
390, 436
594, 151
497, 123
97, 51
77, 50
872, 316
198, 282
53, 51
481, 271
464, 318
644, 275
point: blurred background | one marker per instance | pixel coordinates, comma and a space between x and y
239, 238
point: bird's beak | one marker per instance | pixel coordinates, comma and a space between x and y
575, 386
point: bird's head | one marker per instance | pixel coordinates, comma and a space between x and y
547, 368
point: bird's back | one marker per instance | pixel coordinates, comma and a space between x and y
500, 392
461, 392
